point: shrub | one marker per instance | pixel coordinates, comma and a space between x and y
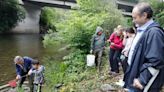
10, 14
78, 26
158, 8
49, 18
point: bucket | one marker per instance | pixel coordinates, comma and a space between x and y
90, 60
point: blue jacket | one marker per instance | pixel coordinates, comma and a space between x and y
27, 66
149, 52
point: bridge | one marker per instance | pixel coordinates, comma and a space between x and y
33, 10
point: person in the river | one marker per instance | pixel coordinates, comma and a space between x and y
146, 57
98, 45
37, 71
23, 65
116, 46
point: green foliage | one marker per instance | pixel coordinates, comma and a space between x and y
73, 73
18, 89
66, 71
129, 22
10, 14
55, 73
75, 62
160, 18
47, 18
78, 26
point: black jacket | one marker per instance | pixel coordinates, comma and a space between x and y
149, 52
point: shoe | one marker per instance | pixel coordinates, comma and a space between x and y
120, 83
113, 74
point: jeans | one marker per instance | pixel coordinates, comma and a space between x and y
124, 64
114, 59
30, 79
37, 87
98, 58
134, 90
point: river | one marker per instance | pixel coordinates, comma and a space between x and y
20, 44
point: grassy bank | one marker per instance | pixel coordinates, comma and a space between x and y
75, 76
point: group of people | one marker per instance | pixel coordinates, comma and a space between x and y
27, 67
139, 49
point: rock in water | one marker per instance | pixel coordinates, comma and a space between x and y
107, 88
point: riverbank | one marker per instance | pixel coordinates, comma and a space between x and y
72, 75
18, 44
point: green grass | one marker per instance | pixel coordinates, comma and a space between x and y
75, 75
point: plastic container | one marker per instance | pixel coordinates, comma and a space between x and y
90, 60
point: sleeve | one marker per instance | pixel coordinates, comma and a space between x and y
41, 70
92, 42
111, 38
125, 40
104, 40
18, 70
28, 58
29, 61
154, 53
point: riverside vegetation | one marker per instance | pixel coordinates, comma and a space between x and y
75, 29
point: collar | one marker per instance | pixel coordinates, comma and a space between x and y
145, 26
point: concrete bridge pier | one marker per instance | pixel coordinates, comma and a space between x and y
31, 23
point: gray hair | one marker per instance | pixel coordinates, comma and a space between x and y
18, 58
145, 8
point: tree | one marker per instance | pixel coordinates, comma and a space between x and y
78, 26
10, 14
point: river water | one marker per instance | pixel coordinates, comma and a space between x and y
20, 44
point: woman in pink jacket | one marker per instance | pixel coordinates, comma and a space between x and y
116, 46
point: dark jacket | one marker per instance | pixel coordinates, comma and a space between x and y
149, 52
27, 66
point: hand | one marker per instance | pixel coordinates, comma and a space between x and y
18, 77
112, 44
30, 72
91, 51
137, 84
108, 40
124, 33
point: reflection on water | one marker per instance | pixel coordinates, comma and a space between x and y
12, 45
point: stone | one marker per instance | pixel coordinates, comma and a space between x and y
107, 88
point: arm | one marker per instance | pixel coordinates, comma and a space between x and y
111, 38
154, 56
104, 40
40, 70
92, 42
18, 70
28, 61
124, 40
